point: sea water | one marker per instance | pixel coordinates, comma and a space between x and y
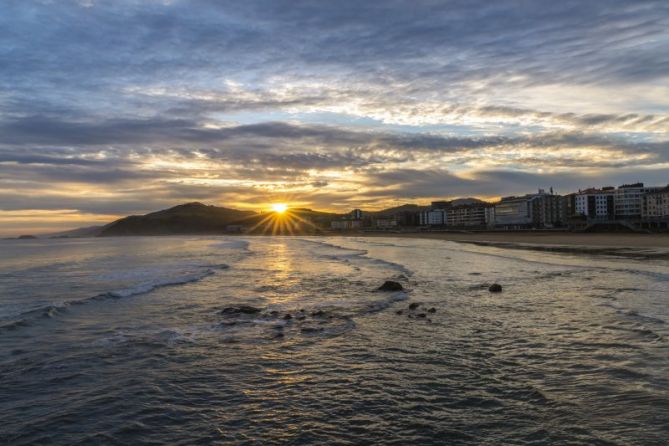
123, 341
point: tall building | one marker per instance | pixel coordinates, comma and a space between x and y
540, 210
467, 215
656, 204
548, 211
628, 200
595, 203
433, 217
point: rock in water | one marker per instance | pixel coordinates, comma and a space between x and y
390, 285
432, 310
242, 309
495, 288
414, 305
288, 316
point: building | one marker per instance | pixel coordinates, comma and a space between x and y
628, 200
345, 224
595, 203
352, 220
514, 213
433, 217
407, 218
540, 210
490, 216
467, 215
386, 222
656, 204
548, 210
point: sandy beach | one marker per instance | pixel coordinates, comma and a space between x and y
574, 240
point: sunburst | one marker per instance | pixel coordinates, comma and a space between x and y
282, 221
279, 208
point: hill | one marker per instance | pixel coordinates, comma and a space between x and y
189, 218
396, 209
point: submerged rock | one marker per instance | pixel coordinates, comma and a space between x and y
432, 310
421, 315
318, 313
495, 288
399, 312
414, 305
288, 316
390, 285
242, 309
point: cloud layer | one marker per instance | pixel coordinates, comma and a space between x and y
108, 108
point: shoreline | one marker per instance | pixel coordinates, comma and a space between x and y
631, 245
599, 239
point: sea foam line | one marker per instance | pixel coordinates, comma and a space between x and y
362, 254
49, 311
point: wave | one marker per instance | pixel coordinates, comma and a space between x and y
361, 254
26, 318
147, 287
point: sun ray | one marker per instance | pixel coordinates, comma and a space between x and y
261, 222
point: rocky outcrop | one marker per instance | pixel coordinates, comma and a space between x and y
242, 309
390, 285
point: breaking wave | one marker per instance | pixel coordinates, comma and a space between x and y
49, 311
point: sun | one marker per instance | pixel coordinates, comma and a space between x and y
279, 208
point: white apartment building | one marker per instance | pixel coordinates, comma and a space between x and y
595, 203
628, 200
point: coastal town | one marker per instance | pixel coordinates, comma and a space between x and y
629, 207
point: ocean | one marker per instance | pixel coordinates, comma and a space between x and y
285, 341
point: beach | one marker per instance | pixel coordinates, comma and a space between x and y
603, 240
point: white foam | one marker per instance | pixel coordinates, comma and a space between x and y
149, 286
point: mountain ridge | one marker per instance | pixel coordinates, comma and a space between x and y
199, 218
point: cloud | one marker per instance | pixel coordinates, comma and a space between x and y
147, 103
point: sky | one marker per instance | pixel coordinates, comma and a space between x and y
117, 107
